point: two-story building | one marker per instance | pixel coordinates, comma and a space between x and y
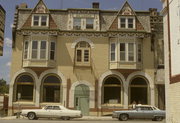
2, 27
94, 60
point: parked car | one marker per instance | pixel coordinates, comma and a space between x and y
51, 111
139, 112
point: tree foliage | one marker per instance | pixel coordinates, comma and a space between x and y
4, 87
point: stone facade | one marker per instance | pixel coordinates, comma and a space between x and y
82, 61
2, 27
171, 38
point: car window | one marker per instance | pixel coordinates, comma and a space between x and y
146, 108
56, 108
49, 107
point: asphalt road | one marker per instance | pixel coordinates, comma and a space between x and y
76, 121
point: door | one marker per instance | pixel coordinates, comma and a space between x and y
82, 99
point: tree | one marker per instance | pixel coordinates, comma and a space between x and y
4, 87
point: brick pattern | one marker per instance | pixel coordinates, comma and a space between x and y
114, 25
27, 24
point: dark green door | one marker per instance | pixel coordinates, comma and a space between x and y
82, 99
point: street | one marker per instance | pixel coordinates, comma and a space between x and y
77, 121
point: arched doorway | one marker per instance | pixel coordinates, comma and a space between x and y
112, 90
51, 89
138, 91
24, 87
81, 98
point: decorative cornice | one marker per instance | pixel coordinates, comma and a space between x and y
85, 34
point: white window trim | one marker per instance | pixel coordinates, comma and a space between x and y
115, 51
28, 52
83, 23
38, 50
126, 22
50, 51
40, 16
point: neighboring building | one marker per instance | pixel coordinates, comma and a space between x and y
2, 25
171, 12
89, 59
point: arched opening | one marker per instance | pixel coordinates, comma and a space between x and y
82, 52
24, 87
51, 89
81, 98
112, 90
138, 91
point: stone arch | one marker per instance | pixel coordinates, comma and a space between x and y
63, 82
91, 95
147, 77
25, 70
101, 80
82, 39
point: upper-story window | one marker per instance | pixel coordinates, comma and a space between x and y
39, 49
89, 23
83, 23
128, 52
127, 23
40, 20
26, 45
52, 50
82, 52
77, 23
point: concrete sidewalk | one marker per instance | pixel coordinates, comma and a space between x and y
83, 118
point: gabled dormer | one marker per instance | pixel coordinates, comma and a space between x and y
126, 19
40, 17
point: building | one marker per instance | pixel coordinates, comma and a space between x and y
2, 25
171, 13
89, 59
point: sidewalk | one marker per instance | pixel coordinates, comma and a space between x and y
83, 118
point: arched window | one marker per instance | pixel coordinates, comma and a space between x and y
24, 88
51, 89
112, 90
139, 91
82, 53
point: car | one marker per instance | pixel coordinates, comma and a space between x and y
51, 111
140, 112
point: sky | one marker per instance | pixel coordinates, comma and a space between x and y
9, 6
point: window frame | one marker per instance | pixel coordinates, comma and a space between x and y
26, 50
40, 20
77, 27
126, 22
89, 24
50, 50
39, 50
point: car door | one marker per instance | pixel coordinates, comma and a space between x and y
57, 111
138, 113
46, 112
148, 112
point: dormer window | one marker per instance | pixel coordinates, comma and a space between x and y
77, 23
40, 20
126, 23
89, 23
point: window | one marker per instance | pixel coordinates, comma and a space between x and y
127, 52
89, 23
83, 52
39, 50
34, 49
52, 51
24, 86
139, 53
113, 51
127, 22
40, 20
77, 23
122, 52
26, 45
123, 22
112, 84
51, 89
43, 50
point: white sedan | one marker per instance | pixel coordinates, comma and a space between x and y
51, 111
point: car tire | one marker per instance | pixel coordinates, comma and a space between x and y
158, 118
65, 118
31, 116
123, 117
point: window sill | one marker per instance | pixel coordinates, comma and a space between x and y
39, 63
82, 64
125, 65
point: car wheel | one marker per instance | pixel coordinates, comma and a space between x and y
31, 116
65, 118
159, 118
123, 117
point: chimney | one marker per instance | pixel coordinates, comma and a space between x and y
23, 6
153, 11
95, 5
